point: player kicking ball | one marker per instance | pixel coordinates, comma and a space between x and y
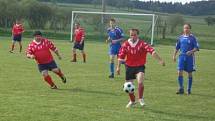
135, 51
187, 45
39, 49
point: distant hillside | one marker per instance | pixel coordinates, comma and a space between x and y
193, 8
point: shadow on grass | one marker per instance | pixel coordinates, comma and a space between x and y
76, 90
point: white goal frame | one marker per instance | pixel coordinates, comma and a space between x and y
110, 13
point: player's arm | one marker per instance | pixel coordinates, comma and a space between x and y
54, 49
157, 57
177, 47
121, 58
29, 53
118, 40
196, 48
154, 54
121, 36
82, 37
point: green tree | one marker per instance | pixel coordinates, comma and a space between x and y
174, 21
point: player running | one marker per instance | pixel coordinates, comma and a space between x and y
39, 49
115, 37
17, 31
135, 51
79, 36
187, 45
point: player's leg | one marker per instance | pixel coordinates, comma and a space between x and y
140, 78
74, 55
12, 45
190, 81
48, 79
190, 69
83, 55
111, 66
20, 46
130, 76
58, 72
181, 67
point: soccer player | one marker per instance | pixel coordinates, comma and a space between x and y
17, 31
39, 49
134, 51
187, 45
79, 36
115, 37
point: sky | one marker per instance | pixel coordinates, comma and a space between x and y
183, 1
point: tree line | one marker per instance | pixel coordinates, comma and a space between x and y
36, 14
192, 8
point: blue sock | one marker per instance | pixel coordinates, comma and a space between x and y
180, 82
112, 68
190, 80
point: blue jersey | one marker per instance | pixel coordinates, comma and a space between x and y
115, 33
186, 43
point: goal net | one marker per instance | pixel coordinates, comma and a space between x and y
96, 24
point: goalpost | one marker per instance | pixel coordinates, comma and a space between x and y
153, 21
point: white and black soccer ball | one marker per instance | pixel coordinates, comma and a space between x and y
128, 87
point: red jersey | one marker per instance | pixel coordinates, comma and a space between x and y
17, 29
79, 34
41, 51
135, 53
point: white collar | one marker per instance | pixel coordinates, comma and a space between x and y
36, 42
131, 43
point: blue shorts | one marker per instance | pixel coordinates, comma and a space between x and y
186, 63
114, 49
47, 66
17, 38
79, 46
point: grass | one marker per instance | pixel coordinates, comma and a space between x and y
90, 96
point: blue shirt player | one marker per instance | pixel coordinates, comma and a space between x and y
115, 37
187, 45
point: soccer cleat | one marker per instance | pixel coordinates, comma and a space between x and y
54, 87
180, 91
141, 101
130, 104
188, 92
111, 76
63, 79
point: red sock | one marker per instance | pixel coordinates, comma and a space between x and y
59, 73
12, 47
140, 90
84, 57
132, 97
48, 79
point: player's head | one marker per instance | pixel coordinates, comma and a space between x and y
37, 36
112, 22
187, 28
134, 33
77, 25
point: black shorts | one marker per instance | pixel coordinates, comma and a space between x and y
17, 38
79, 46
132, 71
47, 66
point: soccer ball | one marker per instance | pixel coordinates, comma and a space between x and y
128, 87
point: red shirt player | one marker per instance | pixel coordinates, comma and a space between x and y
134, 52
39, 49
17, 31
79, 35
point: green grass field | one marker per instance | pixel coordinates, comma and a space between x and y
90, 96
